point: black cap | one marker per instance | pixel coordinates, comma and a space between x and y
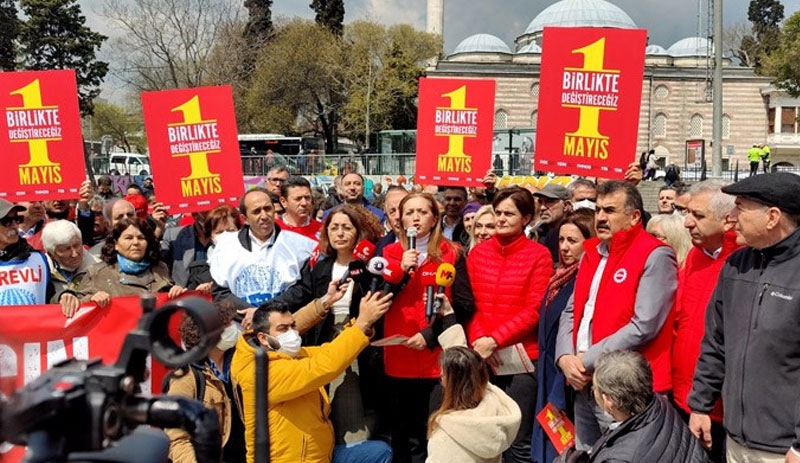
554, 191
778, 189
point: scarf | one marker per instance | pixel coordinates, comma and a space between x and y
131, 267
559, 279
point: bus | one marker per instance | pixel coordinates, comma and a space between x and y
259, 143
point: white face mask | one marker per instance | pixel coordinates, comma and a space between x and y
584, 204
228, 338
290, 343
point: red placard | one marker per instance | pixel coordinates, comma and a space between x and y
557, 426
194, 150
590, 90
40, 136
454, 131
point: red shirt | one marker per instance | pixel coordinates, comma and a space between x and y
310, 230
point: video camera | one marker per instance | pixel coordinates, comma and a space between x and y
84, 411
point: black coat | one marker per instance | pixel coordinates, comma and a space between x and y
657, 435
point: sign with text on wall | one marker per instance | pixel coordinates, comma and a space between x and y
194, 150
40, 136
454, 131
590, 91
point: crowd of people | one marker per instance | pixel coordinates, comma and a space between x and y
668, 335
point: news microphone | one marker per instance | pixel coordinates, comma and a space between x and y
354, 270
429, 281
411, 235
364, 250
376, 266
445, 276
393, 275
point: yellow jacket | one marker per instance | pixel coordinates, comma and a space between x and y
299, 428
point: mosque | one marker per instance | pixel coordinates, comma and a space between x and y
676, 102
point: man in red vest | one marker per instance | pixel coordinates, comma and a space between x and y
707, 220
623, 297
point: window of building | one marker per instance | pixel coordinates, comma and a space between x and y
771, 120
535, 90
696, 126
534, 116
661, 92
500, 119
788, 119
660, 126
726, 126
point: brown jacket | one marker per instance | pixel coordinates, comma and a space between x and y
183, 384
108, 278
61, 284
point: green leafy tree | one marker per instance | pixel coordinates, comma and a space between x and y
784, 62
125, 127
9, 24
330, 14
54, 36
259, 23
754, 47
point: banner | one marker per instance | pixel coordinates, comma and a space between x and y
194, 149
590, 90
454, 131
40, 136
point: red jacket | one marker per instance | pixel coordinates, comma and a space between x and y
616, 296
508, 283
696, 282
407, 317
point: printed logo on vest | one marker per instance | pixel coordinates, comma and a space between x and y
620, 275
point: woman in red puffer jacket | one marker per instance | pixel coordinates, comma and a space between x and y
509, 275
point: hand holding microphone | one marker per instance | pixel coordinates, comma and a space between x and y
409, 262
444, 278
376, 267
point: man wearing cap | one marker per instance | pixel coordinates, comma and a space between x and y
24, 275
554, 205
750, 354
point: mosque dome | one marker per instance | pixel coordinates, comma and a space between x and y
580, 13
482, 43
655, 50
690, 46
530, 48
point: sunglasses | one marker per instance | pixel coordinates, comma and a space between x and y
8, 220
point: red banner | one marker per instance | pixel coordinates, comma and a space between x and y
194, 149
33, 338
590, 90
455, 123
40, 136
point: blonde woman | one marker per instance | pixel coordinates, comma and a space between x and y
482, 226
669, 229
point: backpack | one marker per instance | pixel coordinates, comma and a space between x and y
199, 382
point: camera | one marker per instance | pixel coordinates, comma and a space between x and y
83, 410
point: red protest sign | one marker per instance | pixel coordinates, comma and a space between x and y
455, 120
40, 136
194, 150
557, 426
590, 90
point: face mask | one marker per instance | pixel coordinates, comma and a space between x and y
584, 204
228, 338
290, 343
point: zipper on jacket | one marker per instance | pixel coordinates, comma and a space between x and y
764, 289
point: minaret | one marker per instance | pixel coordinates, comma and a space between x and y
436, 17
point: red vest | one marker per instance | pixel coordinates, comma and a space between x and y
697, 281
616, 296
407, 317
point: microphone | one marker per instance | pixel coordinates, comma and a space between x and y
376, 267
392, 275
411, 235
428, 279
445, 276
364, 250
354, 270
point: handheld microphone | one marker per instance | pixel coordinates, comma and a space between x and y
411, 235
445, 276
429, 281
354, 270
376, 267
364, 250
393, 276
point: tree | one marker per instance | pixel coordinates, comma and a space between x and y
54, 37
9, 24
125, 127
329, 14
740, 43
297, 84
766, 17
784, 62
259, 24
167, 43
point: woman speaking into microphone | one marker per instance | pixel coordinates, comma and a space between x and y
413, 367
509, 275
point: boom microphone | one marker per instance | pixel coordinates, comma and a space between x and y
376, 266
445, 276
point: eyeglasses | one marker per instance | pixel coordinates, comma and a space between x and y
8, 220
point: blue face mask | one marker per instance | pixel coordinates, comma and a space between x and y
131, 267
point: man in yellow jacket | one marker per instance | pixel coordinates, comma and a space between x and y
298, 406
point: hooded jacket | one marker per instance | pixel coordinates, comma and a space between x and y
298, 406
